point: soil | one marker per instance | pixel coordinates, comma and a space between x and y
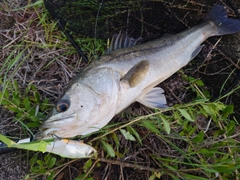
174, 18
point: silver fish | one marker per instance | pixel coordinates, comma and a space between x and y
130, 74
70, 148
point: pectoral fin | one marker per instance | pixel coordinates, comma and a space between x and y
196, 51
154, 98
137, 73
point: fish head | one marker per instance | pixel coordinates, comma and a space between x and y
71, 113
87, 106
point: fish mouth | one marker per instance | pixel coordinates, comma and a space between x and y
55, 126
53, 119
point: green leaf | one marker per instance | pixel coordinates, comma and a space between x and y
52, 162
27, 103
33, 160
177, 117
127, 135
108, 148
13, 109
40, 163
207, 109
220, 106
4, 102
47, 157
16, 98
116, 140
33, 146
50, 175
15, 85
199, 82
185, 114
202, 111
207, 151
166, 124
228, 168
135, 133
201, 100
227, 111
15, 60
33, 125
36, 96
34, 118
6, 94
6, 141
199, 138
149, 125
152, 177
230, 128
191, 129
190, 176
87, 165
174, 177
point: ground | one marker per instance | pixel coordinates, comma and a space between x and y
36, 52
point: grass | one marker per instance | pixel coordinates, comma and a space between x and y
197, 139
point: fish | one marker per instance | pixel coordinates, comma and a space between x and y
63, 147
130, 73
70, 148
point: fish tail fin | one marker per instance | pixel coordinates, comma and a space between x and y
223, 25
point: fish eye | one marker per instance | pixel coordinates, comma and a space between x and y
62, 105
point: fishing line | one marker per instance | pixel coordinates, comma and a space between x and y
72, 41
49, 8
96, 22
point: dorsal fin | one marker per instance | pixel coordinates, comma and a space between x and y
122, 40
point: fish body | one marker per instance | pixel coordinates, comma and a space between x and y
124, 76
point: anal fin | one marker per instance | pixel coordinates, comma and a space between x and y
154, 98
137, 73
